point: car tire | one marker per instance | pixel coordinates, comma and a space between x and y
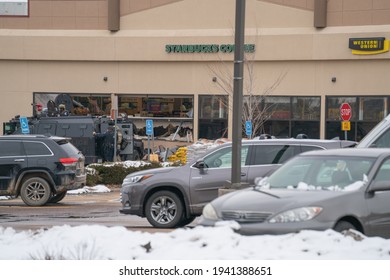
35, 191
343, 226
164, 209
57, 197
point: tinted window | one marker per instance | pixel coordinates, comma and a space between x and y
69, 148
8, 148
37, 149
273, 154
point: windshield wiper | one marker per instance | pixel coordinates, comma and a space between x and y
257, 188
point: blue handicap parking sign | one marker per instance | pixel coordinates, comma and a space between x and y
149, 127
24, 125
248, 128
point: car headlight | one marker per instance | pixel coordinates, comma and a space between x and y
136, 179
209, 212
296, 215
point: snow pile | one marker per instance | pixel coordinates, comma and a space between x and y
200, 243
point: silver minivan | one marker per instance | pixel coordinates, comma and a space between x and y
174, 196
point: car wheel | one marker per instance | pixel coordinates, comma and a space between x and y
57, 197
35, 191
343, 226
164, 209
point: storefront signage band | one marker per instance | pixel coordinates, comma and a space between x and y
372, 45
211, 48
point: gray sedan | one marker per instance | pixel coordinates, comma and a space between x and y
331, 189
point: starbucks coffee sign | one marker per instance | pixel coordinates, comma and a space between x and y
207, 48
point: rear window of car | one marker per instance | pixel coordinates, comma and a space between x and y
37, 149
9, 148
68, 147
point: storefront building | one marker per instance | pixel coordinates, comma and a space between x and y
172, 61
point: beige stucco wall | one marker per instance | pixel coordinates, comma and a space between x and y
92, 14
216, 14
135, 62
346, 12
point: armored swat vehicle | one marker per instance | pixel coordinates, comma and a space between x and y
88, 133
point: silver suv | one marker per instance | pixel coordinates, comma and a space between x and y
173, 196
39, 168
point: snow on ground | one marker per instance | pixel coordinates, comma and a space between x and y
199, 243
87, 189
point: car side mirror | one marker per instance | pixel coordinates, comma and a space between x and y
200, 164
377, 186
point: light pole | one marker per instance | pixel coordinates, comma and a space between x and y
237, 93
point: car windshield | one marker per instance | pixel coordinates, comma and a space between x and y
319, 173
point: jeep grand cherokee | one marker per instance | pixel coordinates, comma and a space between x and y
39, 168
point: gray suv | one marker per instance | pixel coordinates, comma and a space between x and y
173, 196
39, 168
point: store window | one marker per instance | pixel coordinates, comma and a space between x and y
51, 104
156, 106
306, 113
367, 111
333, 105
213, 116
172, 115
306, 108
372, 108
292, 116
278, 108
277, 128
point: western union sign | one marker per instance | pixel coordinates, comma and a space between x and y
373, 45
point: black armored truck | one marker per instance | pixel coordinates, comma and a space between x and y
87, 134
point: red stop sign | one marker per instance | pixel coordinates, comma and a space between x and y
345, 111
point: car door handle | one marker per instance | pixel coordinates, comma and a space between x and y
243, 174
19, 160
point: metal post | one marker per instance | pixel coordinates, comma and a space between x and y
148, 147
237, 93
115, 134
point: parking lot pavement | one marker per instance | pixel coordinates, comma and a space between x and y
82, 209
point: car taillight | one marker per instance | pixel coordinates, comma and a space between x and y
68, 161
